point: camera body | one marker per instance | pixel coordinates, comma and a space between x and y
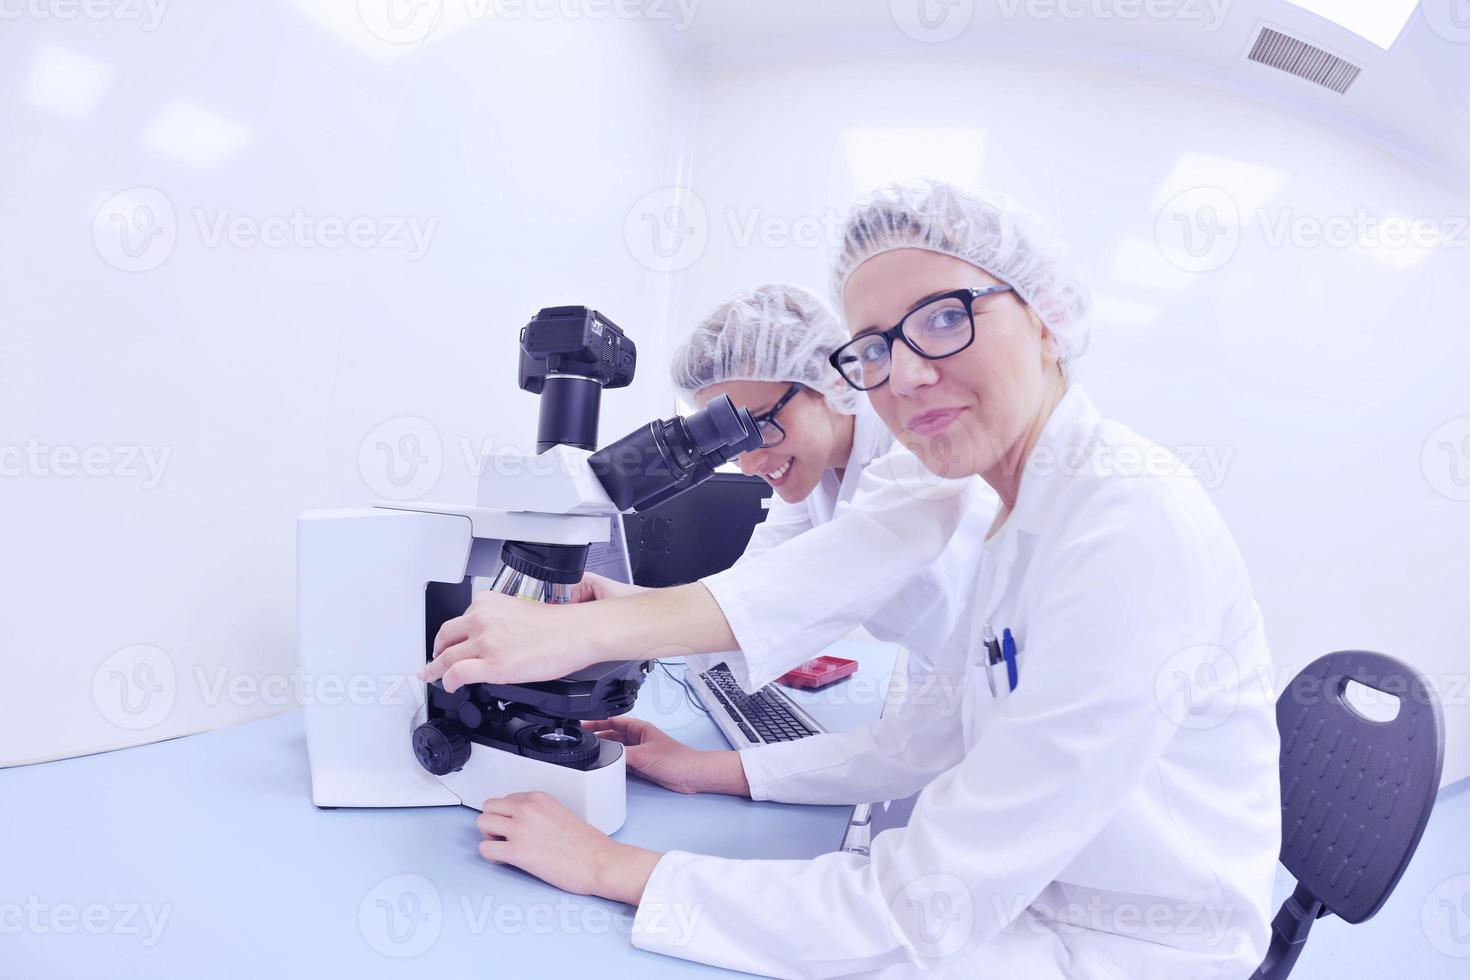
575, 340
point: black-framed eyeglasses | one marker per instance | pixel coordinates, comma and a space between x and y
771, 432
941, 326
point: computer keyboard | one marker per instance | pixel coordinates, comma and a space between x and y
762, 718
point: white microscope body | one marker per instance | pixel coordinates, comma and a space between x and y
363, 575
375, 584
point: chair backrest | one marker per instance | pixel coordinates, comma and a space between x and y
1355, 792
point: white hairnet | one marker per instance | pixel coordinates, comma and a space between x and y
990, 231
774, 332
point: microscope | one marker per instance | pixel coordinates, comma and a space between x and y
375, 584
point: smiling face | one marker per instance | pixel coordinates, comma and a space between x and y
816, 437
978, 411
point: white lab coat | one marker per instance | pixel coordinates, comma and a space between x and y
887, 547
1116, 816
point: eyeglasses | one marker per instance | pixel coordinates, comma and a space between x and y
939, 327
771, 432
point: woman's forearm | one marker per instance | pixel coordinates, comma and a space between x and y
721, 771
661, 623
624, 872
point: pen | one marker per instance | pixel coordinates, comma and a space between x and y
1009, 652
992, 646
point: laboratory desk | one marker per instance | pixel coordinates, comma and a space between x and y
203, 857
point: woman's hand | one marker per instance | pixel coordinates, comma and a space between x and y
504, 640
594, 587
535, 833
660, 758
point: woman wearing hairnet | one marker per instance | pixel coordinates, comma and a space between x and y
1089, 811
767, 349
824, 453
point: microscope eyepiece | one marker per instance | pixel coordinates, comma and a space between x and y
665, 458
719, 427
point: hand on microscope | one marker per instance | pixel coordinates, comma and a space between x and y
534, 832
504, 640
594, 587
662, 759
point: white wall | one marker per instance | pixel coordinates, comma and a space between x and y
1319, 376
254, 374
222, 386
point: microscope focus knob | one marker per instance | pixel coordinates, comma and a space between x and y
441, 747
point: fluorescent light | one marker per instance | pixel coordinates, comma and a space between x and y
877, 156
1379, 21
190, 133
67, 83
1249, 185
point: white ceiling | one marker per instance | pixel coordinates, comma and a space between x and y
1414, 98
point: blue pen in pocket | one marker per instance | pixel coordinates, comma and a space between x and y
997, 652
1008, 652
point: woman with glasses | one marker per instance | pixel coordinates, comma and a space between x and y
827, 557
767, 348
1106, 800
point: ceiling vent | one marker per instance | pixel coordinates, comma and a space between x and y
1303, 60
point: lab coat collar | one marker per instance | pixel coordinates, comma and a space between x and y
1071, 427
870, 438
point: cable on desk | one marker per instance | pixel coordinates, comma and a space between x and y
688, 691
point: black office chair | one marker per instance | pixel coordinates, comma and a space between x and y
1355, 793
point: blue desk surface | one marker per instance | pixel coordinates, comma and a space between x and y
204, 857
